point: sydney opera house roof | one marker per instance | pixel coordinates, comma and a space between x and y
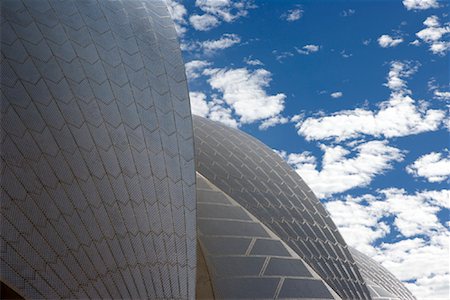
103, 195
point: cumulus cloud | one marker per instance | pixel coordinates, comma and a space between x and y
397, 74
433, 34
308, 49
199, 106
435, 167
214, 109
343, 169
292, 15
244, 91
387, 41
220, 113
239, 96
218, 11
420, 4
195, 67
419, 250
398, 116
336, 95
203, 22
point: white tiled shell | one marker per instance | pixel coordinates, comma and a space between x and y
97, 168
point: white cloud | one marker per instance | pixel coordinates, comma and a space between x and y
242, 98
225, 41
415, 43
398, 72
398, 116
433, 32
215, 109
228, 10
386, 41
199, 106
244, 91
413, 214
280, 56
273, 121
367, 42
439, 47
442, 95
345, 54
435, 167
420, 4
220, 113
336, 95
343, 169
419, 252
292, 15
432, 35
216, 11
253, 62
348, 12
203, 22
177, 12
194, 68
308, 49
432, 21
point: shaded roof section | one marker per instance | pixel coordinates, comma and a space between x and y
97, 172
244, 258
382, 284
263, 183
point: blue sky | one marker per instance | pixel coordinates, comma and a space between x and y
355, 96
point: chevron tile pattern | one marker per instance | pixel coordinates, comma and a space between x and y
259, 180
382, 284
97, 162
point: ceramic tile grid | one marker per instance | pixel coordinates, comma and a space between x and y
97, 174
262, 182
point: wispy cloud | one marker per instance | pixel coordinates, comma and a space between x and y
209, 47
292, 15
253, 61
225, 41
282, 55
348, 12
